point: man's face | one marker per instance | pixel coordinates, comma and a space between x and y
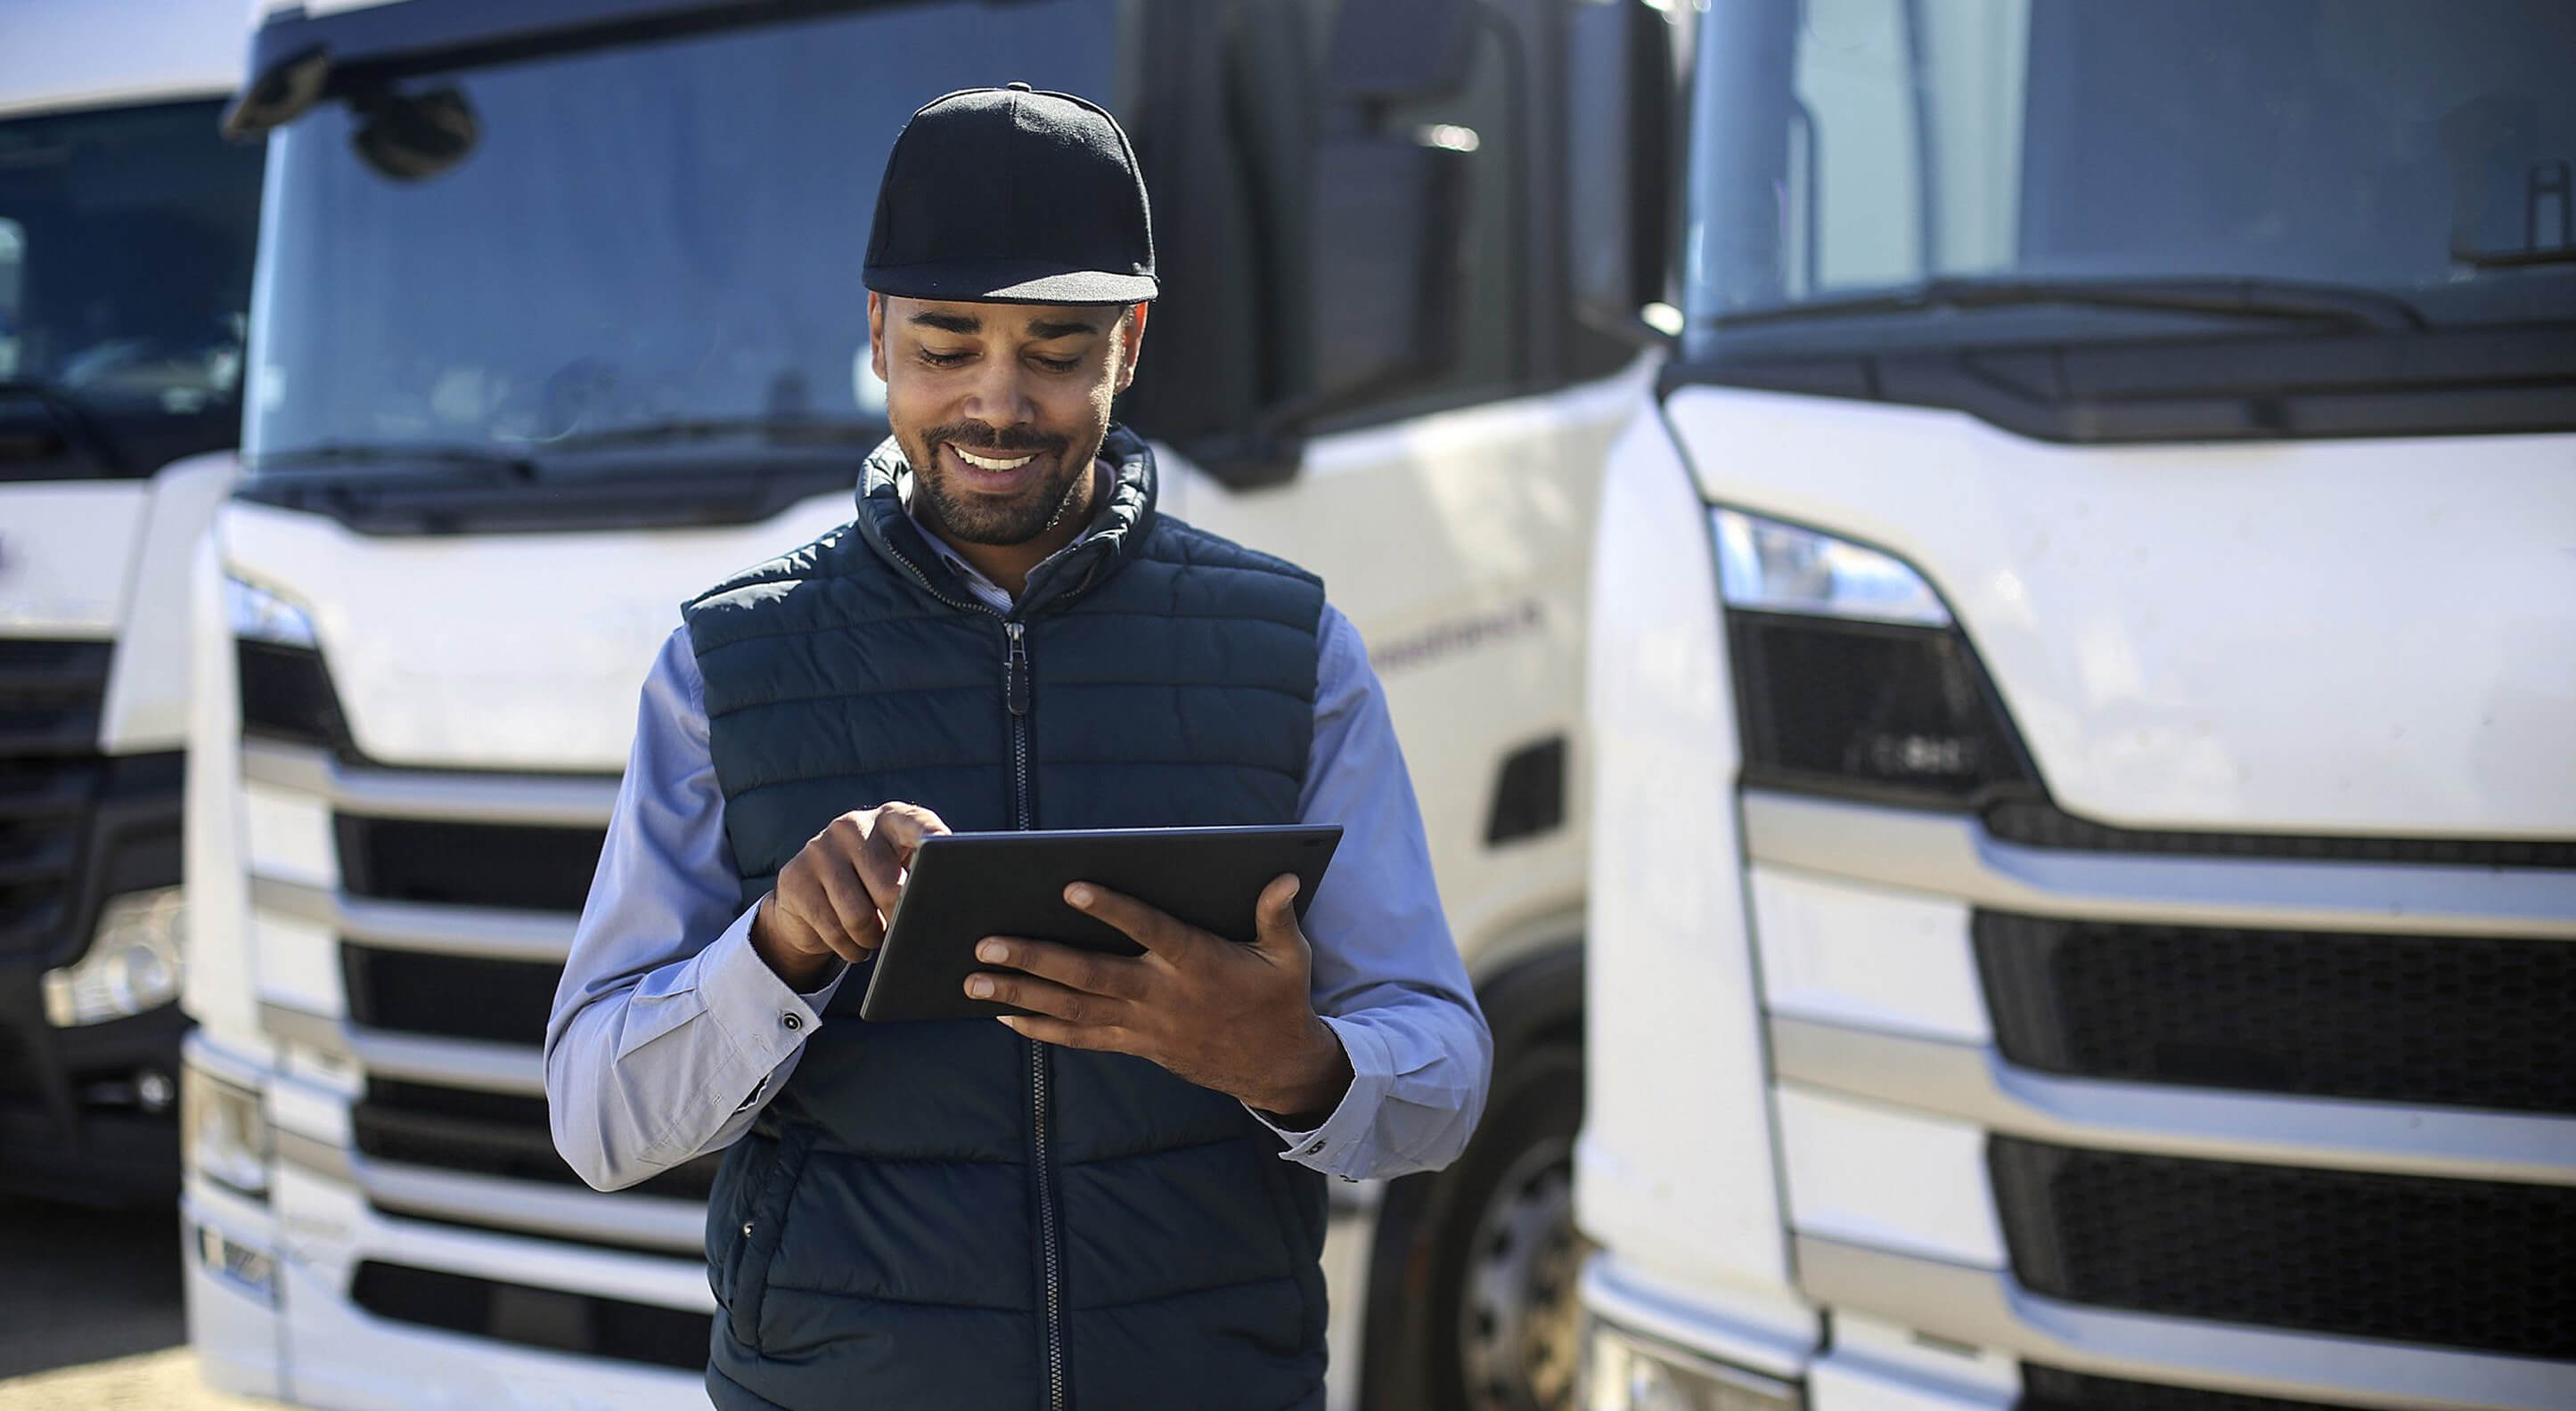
1001, 408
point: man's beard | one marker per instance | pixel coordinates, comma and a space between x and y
985, 519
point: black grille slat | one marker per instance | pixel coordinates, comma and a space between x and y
50, 732
488, 1134
522, 867
522, 1314
2040, 824
51, 781
34, 668
2457, 1020
451, 996
2056, 1389
2488, 1265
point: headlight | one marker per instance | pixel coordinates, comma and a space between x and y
223, 1133
1769, 566
133, 964
258, 615
1624, 1372
1851, 677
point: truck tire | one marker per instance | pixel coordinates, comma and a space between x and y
1473, 1301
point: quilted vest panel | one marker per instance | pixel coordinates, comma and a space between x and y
945, 1214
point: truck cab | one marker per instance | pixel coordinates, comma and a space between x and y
2084, 852
127, 225
559, 321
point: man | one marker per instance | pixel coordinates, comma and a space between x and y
1115, 1200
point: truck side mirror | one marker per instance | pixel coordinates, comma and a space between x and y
1619, 163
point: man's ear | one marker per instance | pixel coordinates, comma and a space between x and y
876, 334
1131, 342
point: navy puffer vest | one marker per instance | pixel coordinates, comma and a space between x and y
946, 1215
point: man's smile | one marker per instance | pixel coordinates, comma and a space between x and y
984, 463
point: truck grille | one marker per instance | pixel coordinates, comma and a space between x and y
2487, 1265
451, 996
2457, 1020
50, 775
533, 1317
519, 866
2040, 824
2056, 1389
488, 1134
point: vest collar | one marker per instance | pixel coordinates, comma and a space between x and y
1116, 533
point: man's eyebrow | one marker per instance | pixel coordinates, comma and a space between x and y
949, 323
1043, 329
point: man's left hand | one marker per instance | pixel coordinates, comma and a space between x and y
1223, 1015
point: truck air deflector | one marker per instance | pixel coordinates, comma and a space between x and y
1987, 1308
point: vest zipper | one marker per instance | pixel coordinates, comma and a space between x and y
1015, 698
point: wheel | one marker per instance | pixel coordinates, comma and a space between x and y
1473, 1303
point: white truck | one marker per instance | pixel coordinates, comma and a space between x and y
126, 230
2083, 907
567, 293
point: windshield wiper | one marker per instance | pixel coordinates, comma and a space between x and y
783, 431
330, 454
2244, 298
67, 411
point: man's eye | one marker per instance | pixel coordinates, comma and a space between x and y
1059, 364
937, 359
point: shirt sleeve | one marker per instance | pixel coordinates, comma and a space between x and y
668, 1030
1387, 977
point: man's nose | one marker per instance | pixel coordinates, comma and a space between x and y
998, 396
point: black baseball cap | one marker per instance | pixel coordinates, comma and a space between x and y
1012, 195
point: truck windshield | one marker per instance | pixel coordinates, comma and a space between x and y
2286, 163
647, 246
125, 267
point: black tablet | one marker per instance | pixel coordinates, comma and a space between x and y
966, 886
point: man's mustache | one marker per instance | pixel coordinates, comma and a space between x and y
976, 436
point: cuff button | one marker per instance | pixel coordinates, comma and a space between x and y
792, 1021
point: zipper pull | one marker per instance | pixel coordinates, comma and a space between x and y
1015, 669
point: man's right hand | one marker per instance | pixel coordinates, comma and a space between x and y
833, 897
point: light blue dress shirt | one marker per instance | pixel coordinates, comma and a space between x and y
669, 1031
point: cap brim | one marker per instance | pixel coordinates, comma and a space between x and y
1011, 282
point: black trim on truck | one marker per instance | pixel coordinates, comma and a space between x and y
76, 828
2442, 382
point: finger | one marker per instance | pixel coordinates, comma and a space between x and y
1274, 917
880, 869
1116, 976
809, 923
1045, 997
1064, 1035
903, 826
861, 925
1149, 927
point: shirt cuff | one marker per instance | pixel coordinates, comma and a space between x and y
766, 1020
1340, 1147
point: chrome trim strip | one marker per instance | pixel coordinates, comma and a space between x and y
1974, 1083
484, 932
313, 1154
302, 1026
455, 1063
1954, 856
1782, 1345
646, 1221
462, 796
1986, 1308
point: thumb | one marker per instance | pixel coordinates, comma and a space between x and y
1275, 919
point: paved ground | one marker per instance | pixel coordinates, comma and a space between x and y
90, 1317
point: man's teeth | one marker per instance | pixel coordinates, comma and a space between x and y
984, 463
